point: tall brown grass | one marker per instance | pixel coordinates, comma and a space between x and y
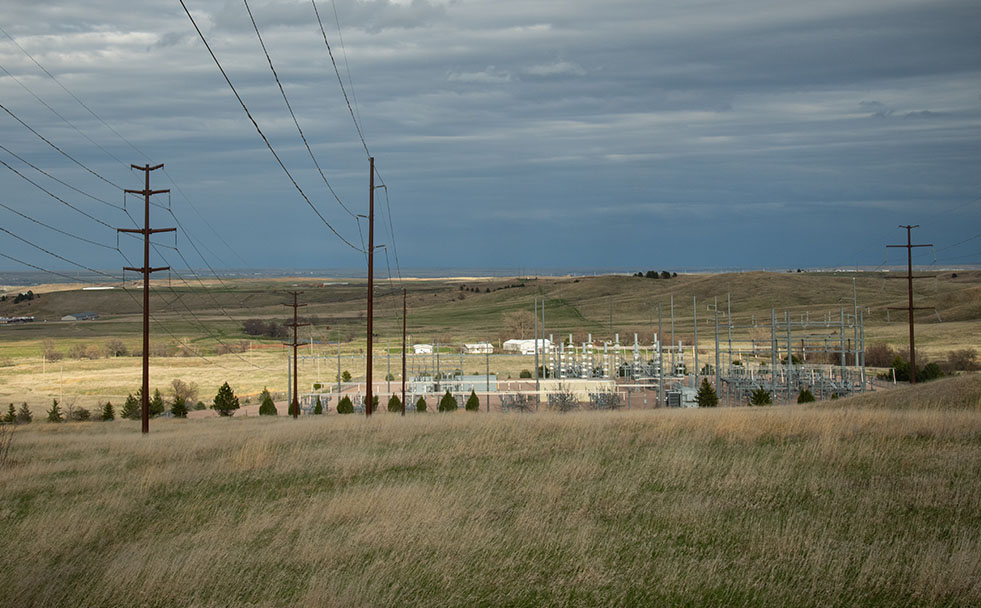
737, 507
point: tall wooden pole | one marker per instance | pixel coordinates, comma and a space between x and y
146, 270
371, 283
909, 279
403, 351
294, 408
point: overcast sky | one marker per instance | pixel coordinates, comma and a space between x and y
629, 134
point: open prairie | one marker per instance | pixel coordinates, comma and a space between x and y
197, 329
860, 504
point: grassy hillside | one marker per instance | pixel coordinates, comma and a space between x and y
737, 507
202, 321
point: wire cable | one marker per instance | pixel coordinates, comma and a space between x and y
60, 151
338, 72
261, 134
292, 114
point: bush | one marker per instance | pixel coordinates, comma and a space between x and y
80, 414
473, 403
395, 404
879, 355
706, 396
266, 405
963, 360
524, 374
108, 412
54, 414
318, 408
760, 396
447, 403
345, 376
806, 396
115, 347
156, 404
225, 402
131, 407
345, 406
200, 406
178, 409
421, 406
24, 414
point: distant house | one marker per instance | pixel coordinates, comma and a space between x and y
480, 348
8, 320
80, 316
422, 349
526, 347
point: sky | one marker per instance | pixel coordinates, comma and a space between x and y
531, 135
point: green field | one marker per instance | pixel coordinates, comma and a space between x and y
872, 502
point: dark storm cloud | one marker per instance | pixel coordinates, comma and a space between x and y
687, 132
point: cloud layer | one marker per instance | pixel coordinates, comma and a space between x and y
545, 134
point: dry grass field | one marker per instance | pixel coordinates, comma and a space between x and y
868, 501
208, 317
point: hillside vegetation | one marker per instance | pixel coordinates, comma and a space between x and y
775, 506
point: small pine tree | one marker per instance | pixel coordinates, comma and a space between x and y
318, 408
345, 376
447, 403
473, 403
178, 409
266, 405
54, 414
421, 406
760, 396
156, 404
225, 402
11, 416
24, 414
345, 406
131, 408
394, 404
706, 396
108, 413
806, 396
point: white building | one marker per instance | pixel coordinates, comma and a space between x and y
526, 347
480, 348
422, 349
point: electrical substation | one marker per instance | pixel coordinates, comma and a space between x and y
783, 353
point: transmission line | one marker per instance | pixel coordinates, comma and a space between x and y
338, 72
292, 114
60, 151
263, 135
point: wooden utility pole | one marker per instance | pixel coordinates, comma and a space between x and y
146, 231
909, 279
403, 351
371, 283
294, 407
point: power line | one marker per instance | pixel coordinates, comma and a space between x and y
55, 112
131, 145
63, 183
68, 234
60, 151
52, 76
55, 196
338, 72
261, 134
292, 114
51, 253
